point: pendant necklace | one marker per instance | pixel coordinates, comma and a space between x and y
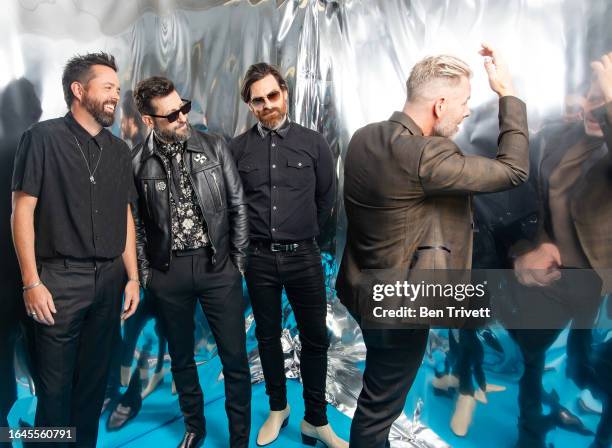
92, 179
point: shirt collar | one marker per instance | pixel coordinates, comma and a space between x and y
407, 122
80, 133
281, 131
168, 149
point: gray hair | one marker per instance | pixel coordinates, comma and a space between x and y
444, 69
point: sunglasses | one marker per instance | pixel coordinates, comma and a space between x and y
173, 116
260, 101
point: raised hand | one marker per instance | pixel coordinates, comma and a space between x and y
497, 71
602, 69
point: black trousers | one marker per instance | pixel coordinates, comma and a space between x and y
301, 274
393, 359
72, 356
218, 288
574, 298
468, 367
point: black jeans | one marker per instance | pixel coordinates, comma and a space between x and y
301, 274
393, 359
218, 288
72, 356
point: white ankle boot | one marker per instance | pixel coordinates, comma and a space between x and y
268, 432
445, 382
324, 434
152, 384
464, 412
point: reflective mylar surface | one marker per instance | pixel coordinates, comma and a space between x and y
346, 62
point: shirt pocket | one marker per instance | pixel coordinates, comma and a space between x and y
299, 171
251, 175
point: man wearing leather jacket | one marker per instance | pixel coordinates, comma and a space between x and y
192, 233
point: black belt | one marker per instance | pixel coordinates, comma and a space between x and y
76, 262
281, 246
190, 252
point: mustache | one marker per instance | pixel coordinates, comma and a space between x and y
272, 110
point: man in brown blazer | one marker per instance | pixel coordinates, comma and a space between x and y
568, 266
418, 213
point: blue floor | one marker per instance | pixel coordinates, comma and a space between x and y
500, 414
216, 422
159, 423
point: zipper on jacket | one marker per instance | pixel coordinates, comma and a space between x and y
168, 180
200, 204
169, 207
214, 176
147, 199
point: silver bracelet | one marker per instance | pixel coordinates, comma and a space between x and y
134, 280
32, 286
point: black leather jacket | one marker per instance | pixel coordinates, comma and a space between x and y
219, 191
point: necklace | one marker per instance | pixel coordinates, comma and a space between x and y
92, 179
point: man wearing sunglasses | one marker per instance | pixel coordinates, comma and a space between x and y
192, 233
290, 185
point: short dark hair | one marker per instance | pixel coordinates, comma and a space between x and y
150, 88
78, 68
257, 72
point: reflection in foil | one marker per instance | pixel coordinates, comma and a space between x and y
346, 62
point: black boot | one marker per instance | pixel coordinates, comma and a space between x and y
192, 440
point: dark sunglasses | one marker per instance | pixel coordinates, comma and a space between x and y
260, 101
173, 116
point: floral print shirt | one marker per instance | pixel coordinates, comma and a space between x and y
188, 227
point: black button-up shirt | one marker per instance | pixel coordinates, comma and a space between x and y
289, 181
75, 217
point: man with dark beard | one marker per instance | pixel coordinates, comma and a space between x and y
418, 215
192, 234
74, 238
289, 180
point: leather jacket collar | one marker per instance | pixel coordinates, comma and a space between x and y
194, 144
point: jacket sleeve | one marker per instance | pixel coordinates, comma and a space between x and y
444, 169
144, 269
236, 207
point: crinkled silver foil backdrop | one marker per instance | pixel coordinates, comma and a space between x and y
346, 62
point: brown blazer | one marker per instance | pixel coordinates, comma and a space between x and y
408, 197
590, 199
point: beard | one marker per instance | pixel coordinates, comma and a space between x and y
273, 117
445, 129
179, 135
96, 110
